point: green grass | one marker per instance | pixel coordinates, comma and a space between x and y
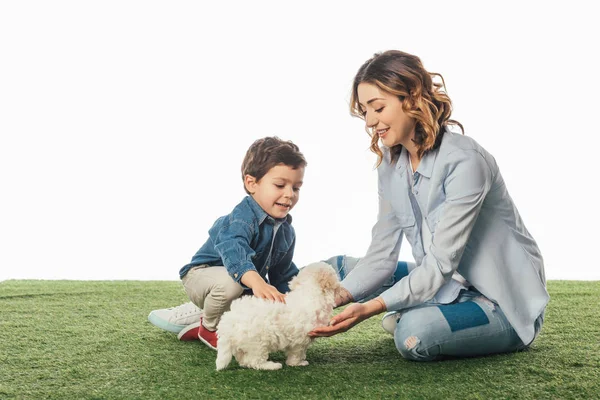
91, 340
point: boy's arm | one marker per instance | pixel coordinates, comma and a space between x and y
232, 242
281, 273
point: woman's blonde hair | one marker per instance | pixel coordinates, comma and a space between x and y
403, 75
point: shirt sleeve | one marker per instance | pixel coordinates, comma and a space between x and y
281, 273
232, 242
382, 256
468, 180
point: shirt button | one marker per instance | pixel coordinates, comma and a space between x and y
235, 275
267, 267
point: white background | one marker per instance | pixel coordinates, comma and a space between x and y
124, 123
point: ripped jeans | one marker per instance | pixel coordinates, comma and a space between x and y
469, 326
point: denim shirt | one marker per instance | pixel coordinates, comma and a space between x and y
475, 227
243, 241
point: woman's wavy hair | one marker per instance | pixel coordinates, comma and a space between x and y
403, 75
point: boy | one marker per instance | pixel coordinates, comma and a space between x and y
249, 250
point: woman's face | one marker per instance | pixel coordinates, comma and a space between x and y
384, 115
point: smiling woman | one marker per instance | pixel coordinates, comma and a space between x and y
478, 286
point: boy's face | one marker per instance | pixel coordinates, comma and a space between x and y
278, 191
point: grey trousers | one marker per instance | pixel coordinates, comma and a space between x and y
212, 290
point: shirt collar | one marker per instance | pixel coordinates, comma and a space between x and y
402, 162
425, 167
261, 215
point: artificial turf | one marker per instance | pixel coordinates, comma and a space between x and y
91, 340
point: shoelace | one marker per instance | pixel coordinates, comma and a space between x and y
185, 309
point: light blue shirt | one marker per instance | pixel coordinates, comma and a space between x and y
475, 227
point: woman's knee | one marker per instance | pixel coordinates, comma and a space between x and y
412, 348
414, 339
342, 264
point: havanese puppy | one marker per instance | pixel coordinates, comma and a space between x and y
255, 327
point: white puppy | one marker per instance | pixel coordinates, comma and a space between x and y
255, 327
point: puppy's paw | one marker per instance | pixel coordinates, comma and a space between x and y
269, 365
302, 363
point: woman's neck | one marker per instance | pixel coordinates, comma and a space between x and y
413, 156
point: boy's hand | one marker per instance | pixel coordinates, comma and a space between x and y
266, 291
260, 288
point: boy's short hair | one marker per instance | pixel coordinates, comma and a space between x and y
268, 152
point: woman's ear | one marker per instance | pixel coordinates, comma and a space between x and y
250, 183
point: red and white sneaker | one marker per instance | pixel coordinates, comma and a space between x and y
190, 332
197, 331
208, 337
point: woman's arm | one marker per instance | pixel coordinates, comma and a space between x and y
381, 259
467, 181
342, 297
466, 185
369, 274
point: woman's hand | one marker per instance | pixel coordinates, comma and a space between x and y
352, 315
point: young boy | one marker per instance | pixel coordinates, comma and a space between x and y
249, 250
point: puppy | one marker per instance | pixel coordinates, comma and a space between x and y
255, 327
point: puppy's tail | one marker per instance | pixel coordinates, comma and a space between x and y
223, 353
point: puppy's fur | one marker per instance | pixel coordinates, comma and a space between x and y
255, 327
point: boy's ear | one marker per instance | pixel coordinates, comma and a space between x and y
250, 183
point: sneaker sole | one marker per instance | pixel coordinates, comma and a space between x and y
205, 342
191, 333
164, 325
389, 322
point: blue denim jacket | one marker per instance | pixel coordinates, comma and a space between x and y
241, 242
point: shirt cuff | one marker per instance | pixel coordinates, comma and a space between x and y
237, 273
391, 304
355, 289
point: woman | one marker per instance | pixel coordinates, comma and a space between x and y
478, 286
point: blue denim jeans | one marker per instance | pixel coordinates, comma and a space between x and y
472, 325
